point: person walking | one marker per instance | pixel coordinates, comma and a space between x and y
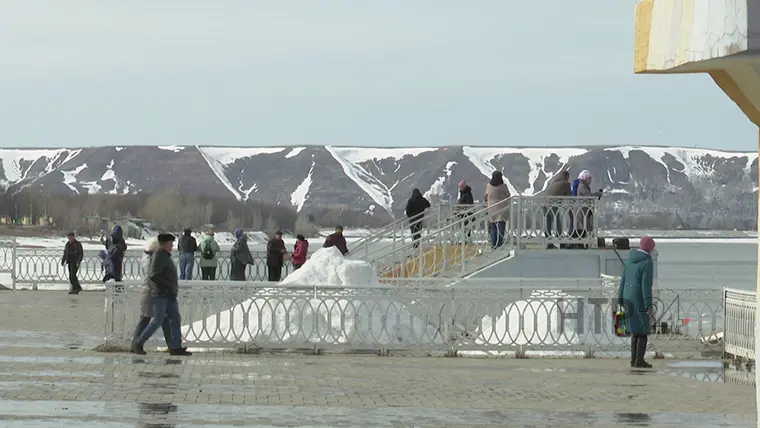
337, 240
496, 196
464, 206
73, 253
146, 298
209, 249
116, 247
559, 186
240, 257
415, 211
635, 295
187, 248
275, 257
164, 287
300, 251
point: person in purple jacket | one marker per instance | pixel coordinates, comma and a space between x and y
337, 240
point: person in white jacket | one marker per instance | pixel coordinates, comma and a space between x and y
146, 299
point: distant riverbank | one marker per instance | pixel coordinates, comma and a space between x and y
681, 234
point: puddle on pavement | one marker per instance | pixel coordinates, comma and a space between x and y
113, 415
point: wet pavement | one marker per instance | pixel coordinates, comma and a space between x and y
50, 378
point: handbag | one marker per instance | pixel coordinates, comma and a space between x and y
618, 321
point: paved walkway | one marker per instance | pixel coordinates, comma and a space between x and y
48, 378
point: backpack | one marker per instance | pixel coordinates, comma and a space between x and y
208, 252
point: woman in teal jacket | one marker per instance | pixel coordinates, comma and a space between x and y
635, 295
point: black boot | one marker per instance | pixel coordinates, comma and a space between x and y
180, 352
634, 342
144, 321
641, 349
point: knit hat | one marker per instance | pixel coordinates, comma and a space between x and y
238, 233
584, 175
646, 244
462, 184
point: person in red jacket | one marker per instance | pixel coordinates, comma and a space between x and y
300, 251
337, 240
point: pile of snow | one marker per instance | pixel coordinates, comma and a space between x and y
303, 319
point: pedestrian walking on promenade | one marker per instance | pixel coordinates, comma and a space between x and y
208, 262
146, 298
240, 257
635, 295
73, 254
187, 248
275, 257
164, 287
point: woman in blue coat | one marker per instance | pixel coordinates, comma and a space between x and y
635, 295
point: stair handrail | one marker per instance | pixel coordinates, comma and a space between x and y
398, 253
433, 217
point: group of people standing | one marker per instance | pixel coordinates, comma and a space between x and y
582, 223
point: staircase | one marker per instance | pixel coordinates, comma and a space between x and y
452, 246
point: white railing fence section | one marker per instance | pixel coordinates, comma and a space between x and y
739, 324
434, 317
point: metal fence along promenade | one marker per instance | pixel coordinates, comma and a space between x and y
739, 324
475, 317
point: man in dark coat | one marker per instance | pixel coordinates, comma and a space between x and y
559, 186
164, 287
464, 204
337, 240
115, 248
187, 248
415, 209
275, 257
73, 254
240, 256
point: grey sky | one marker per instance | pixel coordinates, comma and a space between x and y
344, 72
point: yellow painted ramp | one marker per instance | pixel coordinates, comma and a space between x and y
433, 261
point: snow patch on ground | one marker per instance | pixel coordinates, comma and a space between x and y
437, 187
70, 177
299, 196
175, 149
294, 152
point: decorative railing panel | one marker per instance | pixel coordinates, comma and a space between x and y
40, 266
386, 318
739, 323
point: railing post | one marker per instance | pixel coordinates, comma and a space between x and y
725, 322
519, 221
13, 264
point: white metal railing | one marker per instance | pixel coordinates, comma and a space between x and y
468, 316
739, 323
461, 244
34, 266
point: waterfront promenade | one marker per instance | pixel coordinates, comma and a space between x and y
51, 377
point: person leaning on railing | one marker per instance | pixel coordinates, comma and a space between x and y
584, 223
240, 256
559, 186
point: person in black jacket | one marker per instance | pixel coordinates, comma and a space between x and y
72, 257
116, 246
464, 204
164, 287
187, 248
415, 209
275, 257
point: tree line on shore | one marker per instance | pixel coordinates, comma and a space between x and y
170, 210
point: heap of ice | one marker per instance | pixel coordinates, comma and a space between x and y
287, 315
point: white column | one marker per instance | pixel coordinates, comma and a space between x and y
757, 306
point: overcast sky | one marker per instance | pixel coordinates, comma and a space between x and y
344, 72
